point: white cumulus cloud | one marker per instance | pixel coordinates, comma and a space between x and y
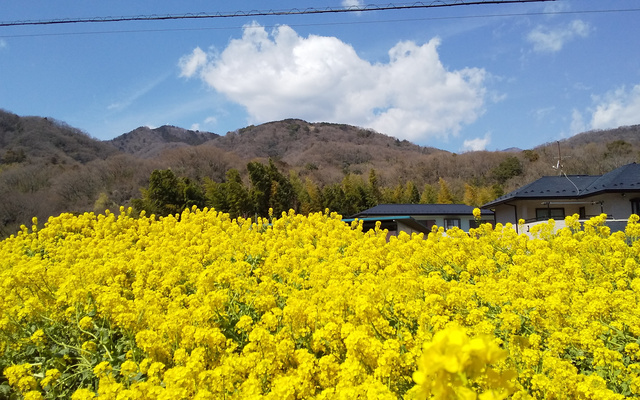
476, 144
551, 40
352, 3
617, 108
279, 74
577, 123
189, 65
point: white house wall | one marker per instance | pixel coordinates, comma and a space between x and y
615, 205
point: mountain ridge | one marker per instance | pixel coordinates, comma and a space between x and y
149, 142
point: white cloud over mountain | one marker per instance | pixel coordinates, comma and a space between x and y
617, 108
477, 144
280, 74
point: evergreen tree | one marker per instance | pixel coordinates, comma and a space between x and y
507, 169
429, 195
411, 194
498, 190
355, 194
444, 193
168, 194
374, 195
260, 188
485, 195
477, 195
216, 195
270, 189
282, 197
192, 194
301, 198
237, 195
470, 197
316, 202
394, 195
334, 198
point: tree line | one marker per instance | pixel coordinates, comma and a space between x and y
269, 188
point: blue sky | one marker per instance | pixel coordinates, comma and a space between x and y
456, 78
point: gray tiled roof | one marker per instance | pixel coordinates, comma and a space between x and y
405, 220
623, 179
420, 209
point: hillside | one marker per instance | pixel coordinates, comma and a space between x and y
294, 140
48, 167
324, 151
595, 152
147, 142
48, 140
630, 134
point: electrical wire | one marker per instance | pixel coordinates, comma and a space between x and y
524, 14
258, 13
574, 185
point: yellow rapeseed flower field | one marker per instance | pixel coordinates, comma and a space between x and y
199, 306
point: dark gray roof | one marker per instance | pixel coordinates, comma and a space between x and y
404, 219
549, 187
623, 179
419, 209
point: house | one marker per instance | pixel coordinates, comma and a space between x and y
616, 194
416, 218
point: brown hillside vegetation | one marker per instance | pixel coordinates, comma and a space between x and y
325, 152
148, 143
47, 140
48, 167
596, 152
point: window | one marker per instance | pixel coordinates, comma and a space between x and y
582, 211
635, 206
429, 223
451, 222
543, 214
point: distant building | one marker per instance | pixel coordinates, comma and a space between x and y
616, 194
416, 218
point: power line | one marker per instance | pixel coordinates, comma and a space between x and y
524, 14
257, 13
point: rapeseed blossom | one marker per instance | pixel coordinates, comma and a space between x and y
202, 306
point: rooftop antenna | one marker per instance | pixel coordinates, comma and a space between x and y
559, 166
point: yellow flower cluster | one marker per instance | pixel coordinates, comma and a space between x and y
453, 365
201, 306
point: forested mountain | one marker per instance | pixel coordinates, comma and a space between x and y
47, 140
48, 167
147, 142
